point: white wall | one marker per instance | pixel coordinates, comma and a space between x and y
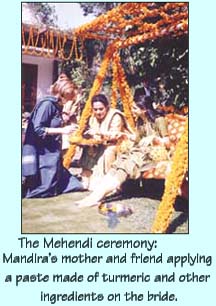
45, 72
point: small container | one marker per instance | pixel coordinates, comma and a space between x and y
120, 210
123, 210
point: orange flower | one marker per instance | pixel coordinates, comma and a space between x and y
113, 25
172, 184
125, 92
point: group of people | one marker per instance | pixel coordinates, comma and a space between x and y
121, 152
135, 151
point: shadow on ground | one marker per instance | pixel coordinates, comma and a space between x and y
61, 215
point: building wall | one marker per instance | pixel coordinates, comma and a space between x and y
45, 73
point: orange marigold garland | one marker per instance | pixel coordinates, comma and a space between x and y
113, 101
113, 25
110, 26
177, 28
125, 92
52, 43
172, 184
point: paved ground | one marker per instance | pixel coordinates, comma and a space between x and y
61, 215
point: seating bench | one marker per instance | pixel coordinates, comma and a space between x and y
176, 125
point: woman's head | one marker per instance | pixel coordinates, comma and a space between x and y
65, 90
143, 108
100, 106
144, 102
63, 76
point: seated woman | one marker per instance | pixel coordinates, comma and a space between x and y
108, 125
137, 157
42, 166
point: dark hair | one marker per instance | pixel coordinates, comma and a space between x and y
100, 98
145, 102
139, 92
66, 72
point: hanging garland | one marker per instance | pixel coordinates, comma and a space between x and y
114, 94
172, 184
125, 92
109, 26
50, 44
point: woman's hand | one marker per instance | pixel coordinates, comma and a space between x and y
113, 135
89, 132
162, 141
69, 129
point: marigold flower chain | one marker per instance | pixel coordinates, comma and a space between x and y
114, 21
126, 95
50, 44
178, 28
172, 184
111, 25
113, 101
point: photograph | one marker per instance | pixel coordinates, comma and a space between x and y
104, 117
107, 187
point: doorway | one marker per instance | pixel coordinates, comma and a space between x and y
29, 86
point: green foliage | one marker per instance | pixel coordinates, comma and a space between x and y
44, 11
163, 63
84, 72
79, 73
97, 8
